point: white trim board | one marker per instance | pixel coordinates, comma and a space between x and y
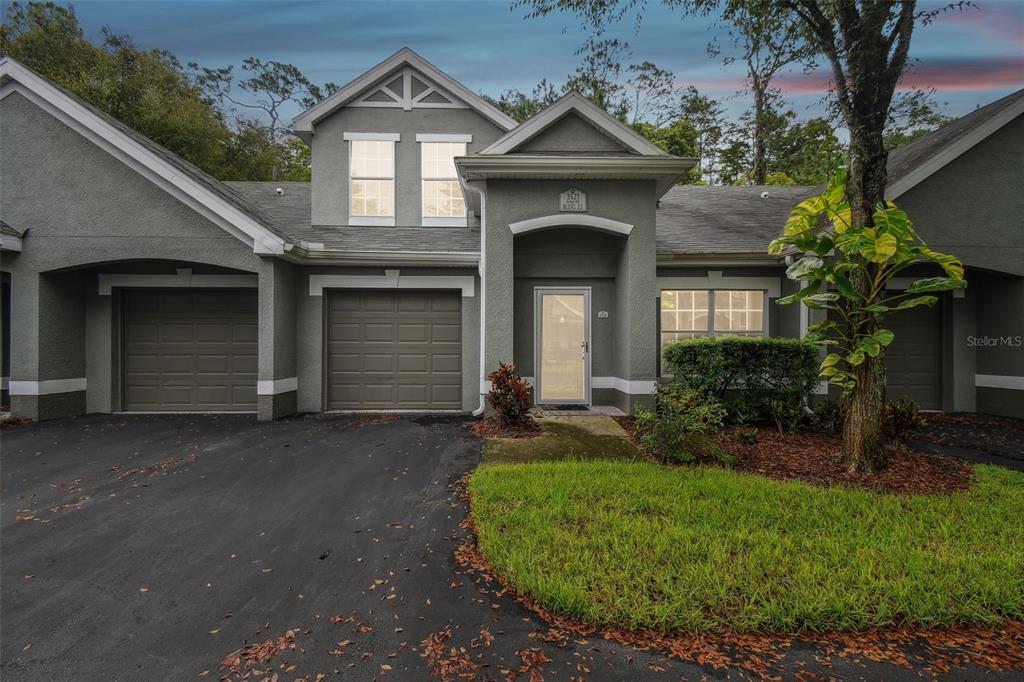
571, 220
373, 137
941, 159
184, 279
999, 381
444, 137
587, 110
304, 123
392, 279
47, 387
277, 386
137, 156
715, 280
8, 242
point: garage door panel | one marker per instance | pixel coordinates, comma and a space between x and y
382, 348
190, 350
913, 360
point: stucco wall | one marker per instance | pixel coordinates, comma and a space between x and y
573, 135
330, 155
634, 331
999, 349
974, 207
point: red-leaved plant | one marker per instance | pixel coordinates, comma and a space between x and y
509, 395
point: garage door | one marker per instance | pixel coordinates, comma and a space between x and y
913, 360
190, 350
391, 350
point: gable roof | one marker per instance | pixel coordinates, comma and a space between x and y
195, 188
574, 102
912, 163
305, 122
739, 220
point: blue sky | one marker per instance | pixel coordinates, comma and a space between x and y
971, 58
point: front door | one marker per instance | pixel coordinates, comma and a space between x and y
562, 343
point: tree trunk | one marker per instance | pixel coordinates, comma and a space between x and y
759, 171
864, 442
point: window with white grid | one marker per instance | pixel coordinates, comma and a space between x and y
442, 196
372, 171
691, 313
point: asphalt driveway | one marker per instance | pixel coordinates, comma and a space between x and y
149, 547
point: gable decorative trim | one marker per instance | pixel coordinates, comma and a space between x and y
442, 91
571, 220
146, 162
590, 112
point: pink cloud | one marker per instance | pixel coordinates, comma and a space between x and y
948, 75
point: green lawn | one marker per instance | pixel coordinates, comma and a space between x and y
642, 545
584, 438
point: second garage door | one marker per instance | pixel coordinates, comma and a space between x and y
394, 350
190, 351
913, 360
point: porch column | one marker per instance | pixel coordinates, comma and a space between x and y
48, 374
637, 334
278, 384
497, 283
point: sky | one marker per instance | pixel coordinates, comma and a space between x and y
970, 58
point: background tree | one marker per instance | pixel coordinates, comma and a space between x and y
707, 116
768, 39
913, 114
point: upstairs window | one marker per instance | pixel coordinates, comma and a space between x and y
443, 203
372, 181
691, 313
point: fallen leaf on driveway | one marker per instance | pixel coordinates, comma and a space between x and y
143, 589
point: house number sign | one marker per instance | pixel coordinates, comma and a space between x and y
573, 200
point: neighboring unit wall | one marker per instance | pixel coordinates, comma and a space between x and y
330, 155
999, 344
81, 207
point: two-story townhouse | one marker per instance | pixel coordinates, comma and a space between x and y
436, 239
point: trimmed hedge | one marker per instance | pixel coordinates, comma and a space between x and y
752, 376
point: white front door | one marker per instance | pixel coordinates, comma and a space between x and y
562, 345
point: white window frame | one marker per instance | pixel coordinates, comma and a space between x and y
441, 221
381, 221
711, 331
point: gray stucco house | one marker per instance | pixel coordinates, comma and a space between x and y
437, 238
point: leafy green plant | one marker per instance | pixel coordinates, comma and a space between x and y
846, 267
509, 395
752, 377
787, 411
902, 418
828, 416
747, 435
678, 431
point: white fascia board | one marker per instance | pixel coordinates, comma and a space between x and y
392, 280
377, 137
47, 387
8, 242
444, 137
947, 155
106, 136
999, 381
585, 108
571, 219
183, 279
277, 386
305, 121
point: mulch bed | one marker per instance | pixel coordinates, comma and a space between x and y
812, 458
935, 651
13, 422
494, 427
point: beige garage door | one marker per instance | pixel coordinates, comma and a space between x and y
913, 360
190, 350
391, 350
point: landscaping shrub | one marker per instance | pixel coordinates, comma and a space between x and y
751, 376
901, 419
678, 431
828, 416
509, 395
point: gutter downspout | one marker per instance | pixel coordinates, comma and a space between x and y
481, 189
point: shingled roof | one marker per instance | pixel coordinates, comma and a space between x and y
694, 219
